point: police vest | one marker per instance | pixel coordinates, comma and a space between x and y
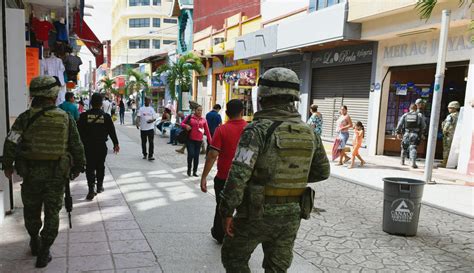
47, 137
286, 160
411, 121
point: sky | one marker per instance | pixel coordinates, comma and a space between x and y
101, 23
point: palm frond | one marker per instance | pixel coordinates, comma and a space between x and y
425, 7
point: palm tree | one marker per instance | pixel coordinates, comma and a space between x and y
425, 7
108, 85
179, 73
136, 81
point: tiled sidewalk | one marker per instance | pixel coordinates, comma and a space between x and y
105, 237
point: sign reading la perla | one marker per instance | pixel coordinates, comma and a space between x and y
427, 47
343, 55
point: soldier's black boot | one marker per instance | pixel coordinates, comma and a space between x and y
100, 187
35, 244
44, 257
91, 194
413, 164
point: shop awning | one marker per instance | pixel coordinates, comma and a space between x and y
84, 32
154, 58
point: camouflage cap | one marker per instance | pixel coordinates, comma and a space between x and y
279, 81
454, 104
45, 86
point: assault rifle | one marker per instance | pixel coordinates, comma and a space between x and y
68, 202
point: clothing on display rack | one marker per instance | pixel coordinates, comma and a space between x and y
71, 64
53, 66
61, 33
41, 29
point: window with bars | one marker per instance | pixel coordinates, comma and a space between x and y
134, 3
169, 42
156, 22
139, 22
170, 21
156, 44
321, 4
134, 44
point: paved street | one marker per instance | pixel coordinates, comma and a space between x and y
153, 218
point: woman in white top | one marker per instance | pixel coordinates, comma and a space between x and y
344, 123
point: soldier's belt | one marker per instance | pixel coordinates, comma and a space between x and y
282, 199
271, 191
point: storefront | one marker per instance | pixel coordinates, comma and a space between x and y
329, 92
240, 80
406, 69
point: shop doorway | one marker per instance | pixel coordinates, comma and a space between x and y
409, 83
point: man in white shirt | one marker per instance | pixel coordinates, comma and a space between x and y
107, 106
146, 118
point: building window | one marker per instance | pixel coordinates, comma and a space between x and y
156, 2
139, 22
156, 44
156, 22
170, 21
321, 4
133, 44
133, 3
169, 42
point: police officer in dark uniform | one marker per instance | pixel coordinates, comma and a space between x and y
412, 127
94, 127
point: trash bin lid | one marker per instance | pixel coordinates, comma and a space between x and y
403, 180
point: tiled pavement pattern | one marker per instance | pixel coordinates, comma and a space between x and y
348, 236
105, 237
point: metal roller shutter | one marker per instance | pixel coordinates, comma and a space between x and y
333, 87
295, 67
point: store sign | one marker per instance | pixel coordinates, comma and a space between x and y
426, 47
156, 81
343, 56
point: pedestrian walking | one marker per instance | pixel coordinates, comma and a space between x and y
176, 128
134, 111
192, 106
359, 133
107, 106
344, 122
45, 148
146, 118
122, 111
214, 119
81, 106
277, 156
224, 144
448, 128
316, 120
197, 127
69, 106
95, 126
412, 127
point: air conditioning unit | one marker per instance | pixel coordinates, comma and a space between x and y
218, 40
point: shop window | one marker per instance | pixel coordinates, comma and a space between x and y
170, 21
139, 22
156, 22
156, 2
321, 4
134, 3
156, 44
134, 44
169, 42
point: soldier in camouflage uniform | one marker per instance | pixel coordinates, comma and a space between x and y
278, 154
45, 149
448, 127
412, 126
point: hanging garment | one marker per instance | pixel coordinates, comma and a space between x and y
53, 66
72, 63
61, 33
41, 29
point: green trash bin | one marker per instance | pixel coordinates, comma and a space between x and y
401, 206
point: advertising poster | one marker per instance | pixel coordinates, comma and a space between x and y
32, 64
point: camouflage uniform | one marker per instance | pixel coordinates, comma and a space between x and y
266, 180
448, 127
412, 126
44, 159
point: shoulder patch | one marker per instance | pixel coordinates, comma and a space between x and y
244, 155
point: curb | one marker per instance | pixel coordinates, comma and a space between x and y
423, 202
